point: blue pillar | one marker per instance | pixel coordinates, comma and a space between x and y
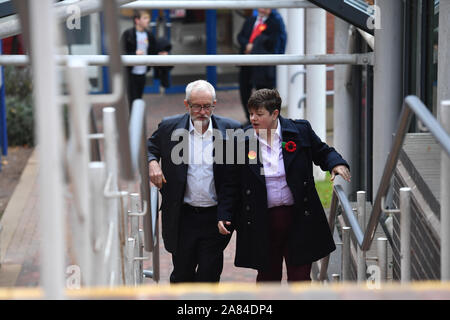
211, 44
3, 129
168, 24
105, 70
154, 20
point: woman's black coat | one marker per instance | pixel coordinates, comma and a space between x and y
243, 199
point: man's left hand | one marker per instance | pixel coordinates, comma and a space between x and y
342, 171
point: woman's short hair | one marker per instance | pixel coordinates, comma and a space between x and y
200, 85
268, 99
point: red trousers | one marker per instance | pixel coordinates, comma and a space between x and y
281, 219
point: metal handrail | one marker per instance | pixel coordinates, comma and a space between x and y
218, 4
339, 196
137, 133
14, 25
206, 60
136, 130
412, 104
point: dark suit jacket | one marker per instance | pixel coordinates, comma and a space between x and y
265, 43
159, 147
129, 44
245, 193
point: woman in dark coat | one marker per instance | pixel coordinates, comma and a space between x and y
270, 197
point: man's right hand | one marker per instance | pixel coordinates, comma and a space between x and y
222, 229
155, 173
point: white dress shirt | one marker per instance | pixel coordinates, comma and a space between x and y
278, 192
200, 188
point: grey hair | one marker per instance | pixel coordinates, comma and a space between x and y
200, 85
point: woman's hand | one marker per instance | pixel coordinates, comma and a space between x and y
222, 229
342, 171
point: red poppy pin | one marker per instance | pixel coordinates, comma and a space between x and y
290, 146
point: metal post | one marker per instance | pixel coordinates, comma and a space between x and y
79, 148
282, 71
50, 137
140, 272
346, 253
445, 198
335, 277
382, 258
296, 45
344, 115
111, 156
154, 216
3, 127
405, 234
316, 87
135, 209
100, 266
387, 83
361, 265
443, 83
135, 206
361, 201
1, 229
129, 274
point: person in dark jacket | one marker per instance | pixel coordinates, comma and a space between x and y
138, 41
270, 198
190, 180
259, 35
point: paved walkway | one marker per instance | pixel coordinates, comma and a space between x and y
20, 239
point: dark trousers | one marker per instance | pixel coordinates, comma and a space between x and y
281, 219
199, 255
136, 85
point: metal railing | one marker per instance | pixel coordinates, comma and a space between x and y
364, 236
218, 4
207, 60
150, 233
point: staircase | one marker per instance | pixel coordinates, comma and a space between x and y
419, 168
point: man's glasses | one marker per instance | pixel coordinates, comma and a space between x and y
198, 107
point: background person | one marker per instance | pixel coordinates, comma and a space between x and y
140, 41
260, 34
